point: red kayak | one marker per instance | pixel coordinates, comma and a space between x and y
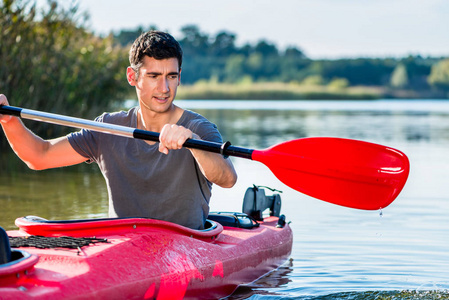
136, 258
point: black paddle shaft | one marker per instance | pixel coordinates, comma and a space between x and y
226, 149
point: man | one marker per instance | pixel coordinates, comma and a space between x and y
144, 179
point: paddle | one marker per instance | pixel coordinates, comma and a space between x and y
346, 172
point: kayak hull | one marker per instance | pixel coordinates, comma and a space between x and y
143, 259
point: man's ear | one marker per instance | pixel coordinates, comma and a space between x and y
179, 77
131, 76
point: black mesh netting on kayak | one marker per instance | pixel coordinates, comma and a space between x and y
44, 242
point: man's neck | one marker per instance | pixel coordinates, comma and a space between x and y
154, 121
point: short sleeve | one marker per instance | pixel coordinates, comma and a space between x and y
85, 142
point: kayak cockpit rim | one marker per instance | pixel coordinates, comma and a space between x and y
33, 225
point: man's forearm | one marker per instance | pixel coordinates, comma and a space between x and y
215, 168
24, 143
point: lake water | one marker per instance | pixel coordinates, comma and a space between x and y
401, 252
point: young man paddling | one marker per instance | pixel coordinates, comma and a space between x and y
144, 179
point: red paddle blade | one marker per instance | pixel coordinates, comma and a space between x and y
346, 172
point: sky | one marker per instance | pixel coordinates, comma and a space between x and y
322, 29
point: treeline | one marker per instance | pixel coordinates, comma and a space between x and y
218, 59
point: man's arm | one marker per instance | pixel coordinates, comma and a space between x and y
214, 166
36, 152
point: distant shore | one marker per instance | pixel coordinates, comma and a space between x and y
285, 91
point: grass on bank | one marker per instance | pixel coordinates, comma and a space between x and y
276, 91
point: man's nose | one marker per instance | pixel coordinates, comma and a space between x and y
163, 85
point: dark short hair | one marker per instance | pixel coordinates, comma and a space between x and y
156, 44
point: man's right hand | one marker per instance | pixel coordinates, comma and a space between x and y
4, 118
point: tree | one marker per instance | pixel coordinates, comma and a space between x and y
266, 49
295, 53
399, 77
234, 69
439, 75
194, 42
224, 44
126, 37
338, 84
50, 62
360, 71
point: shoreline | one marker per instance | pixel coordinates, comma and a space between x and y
286, 91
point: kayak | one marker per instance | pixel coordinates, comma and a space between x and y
142, 259
139, 258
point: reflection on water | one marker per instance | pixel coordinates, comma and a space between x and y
338, 252
69, 193
264, 128
266, 285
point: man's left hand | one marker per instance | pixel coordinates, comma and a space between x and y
172, 137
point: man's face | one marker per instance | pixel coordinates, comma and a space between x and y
157, 83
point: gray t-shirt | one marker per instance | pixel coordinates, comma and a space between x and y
141, 181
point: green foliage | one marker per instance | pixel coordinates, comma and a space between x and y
439, 76
399, 77
126, 37
338, 84
313, 80
360, 71
50, 62
234, 68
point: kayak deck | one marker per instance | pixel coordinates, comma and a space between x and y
142, 258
